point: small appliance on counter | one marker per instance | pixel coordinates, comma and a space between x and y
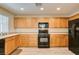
43, 36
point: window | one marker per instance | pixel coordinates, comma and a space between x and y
4, 20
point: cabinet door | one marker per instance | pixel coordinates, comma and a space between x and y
24, 40
54, 41
74, 17
64, 40
28, 40
10, 44
28, 23
33, 40
58, 40
8, 47
20, 22
58, 23
63, 23
51, 22
13, 46
44, 19
34, 22
17, 41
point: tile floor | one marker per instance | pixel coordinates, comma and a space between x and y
42, 51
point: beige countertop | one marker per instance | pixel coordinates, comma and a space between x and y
8, 35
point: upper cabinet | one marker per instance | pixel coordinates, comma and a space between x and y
28, 23
34, 22
44, 19
58, 22
74, 17
22, 22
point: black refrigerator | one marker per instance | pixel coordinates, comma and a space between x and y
74, 36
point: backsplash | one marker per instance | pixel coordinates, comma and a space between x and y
51, 30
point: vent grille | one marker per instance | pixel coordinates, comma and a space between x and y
38, 4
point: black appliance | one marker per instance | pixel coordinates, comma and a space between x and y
74, 36
2, 46
43, 36
43, 25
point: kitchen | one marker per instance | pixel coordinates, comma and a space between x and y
22, 26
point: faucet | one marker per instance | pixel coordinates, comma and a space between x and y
2, 34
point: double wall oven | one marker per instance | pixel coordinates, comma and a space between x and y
43, 35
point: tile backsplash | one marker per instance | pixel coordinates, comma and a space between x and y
33, 30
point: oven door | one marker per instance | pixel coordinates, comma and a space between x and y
43, 39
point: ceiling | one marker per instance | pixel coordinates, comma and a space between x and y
49, 8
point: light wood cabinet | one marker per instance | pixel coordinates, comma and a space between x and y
24, 40
58, 23
28, 40
44, 19
34, 22
20, 22
8, 47
17, 42
33, 40
10, 44
28, 23
74, 17
64, 41
58, 40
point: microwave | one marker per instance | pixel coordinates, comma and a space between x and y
43, 25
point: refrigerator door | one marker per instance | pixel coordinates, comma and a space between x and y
73, 31
74, 36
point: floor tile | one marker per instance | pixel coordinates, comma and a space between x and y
42, 51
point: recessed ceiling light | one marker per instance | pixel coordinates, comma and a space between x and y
58, 9
41, 9
22, 9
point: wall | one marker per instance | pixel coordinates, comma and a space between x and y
11, 17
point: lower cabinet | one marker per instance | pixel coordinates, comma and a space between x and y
17, 41
23, 40
58, 40
31, 40
10, 44
28, 40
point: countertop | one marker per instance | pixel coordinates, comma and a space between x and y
8, 35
